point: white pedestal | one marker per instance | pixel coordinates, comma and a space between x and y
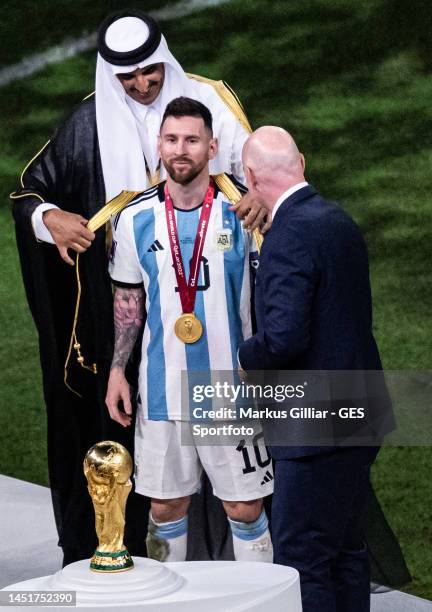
28, 537
214, 586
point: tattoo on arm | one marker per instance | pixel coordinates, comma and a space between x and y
128, 318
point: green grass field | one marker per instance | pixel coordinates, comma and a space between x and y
352, 82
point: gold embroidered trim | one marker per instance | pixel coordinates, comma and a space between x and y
13, 196
111, 208
31, 161
227, 96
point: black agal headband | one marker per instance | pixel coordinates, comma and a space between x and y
134, 56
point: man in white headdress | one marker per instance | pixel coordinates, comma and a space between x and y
108, 144
136, 77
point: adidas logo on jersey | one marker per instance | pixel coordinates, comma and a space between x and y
268, 477
156, 246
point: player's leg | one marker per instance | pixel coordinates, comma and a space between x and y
250, 531
241, 476
168, 528
168, 473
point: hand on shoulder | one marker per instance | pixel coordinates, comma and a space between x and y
252, 211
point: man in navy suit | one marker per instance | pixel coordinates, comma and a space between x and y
313, 308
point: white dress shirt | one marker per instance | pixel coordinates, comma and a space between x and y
41, 231
286, 194
148, 120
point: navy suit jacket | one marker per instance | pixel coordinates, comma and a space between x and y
312, 298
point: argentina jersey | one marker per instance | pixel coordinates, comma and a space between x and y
141, 255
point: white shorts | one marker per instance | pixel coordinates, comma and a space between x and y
164, 469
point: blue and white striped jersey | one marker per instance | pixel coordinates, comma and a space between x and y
141, 254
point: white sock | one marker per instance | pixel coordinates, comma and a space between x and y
167, 541
252, 541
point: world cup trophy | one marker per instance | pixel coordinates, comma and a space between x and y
108, 468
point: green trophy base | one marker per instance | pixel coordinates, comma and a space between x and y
110, 562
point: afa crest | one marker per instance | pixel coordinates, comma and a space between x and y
224, 239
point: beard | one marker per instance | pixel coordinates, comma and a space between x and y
187, 174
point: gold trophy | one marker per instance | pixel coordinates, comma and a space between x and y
108, 468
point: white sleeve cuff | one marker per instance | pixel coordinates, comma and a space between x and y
40, 230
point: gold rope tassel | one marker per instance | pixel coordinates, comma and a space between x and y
74, 344
113, 207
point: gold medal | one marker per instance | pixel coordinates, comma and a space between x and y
188, 328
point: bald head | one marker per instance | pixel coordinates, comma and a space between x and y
272, 162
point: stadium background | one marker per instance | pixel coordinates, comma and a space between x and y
352, 82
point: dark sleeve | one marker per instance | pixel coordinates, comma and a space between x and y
287, 286
120, 285
50, 174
